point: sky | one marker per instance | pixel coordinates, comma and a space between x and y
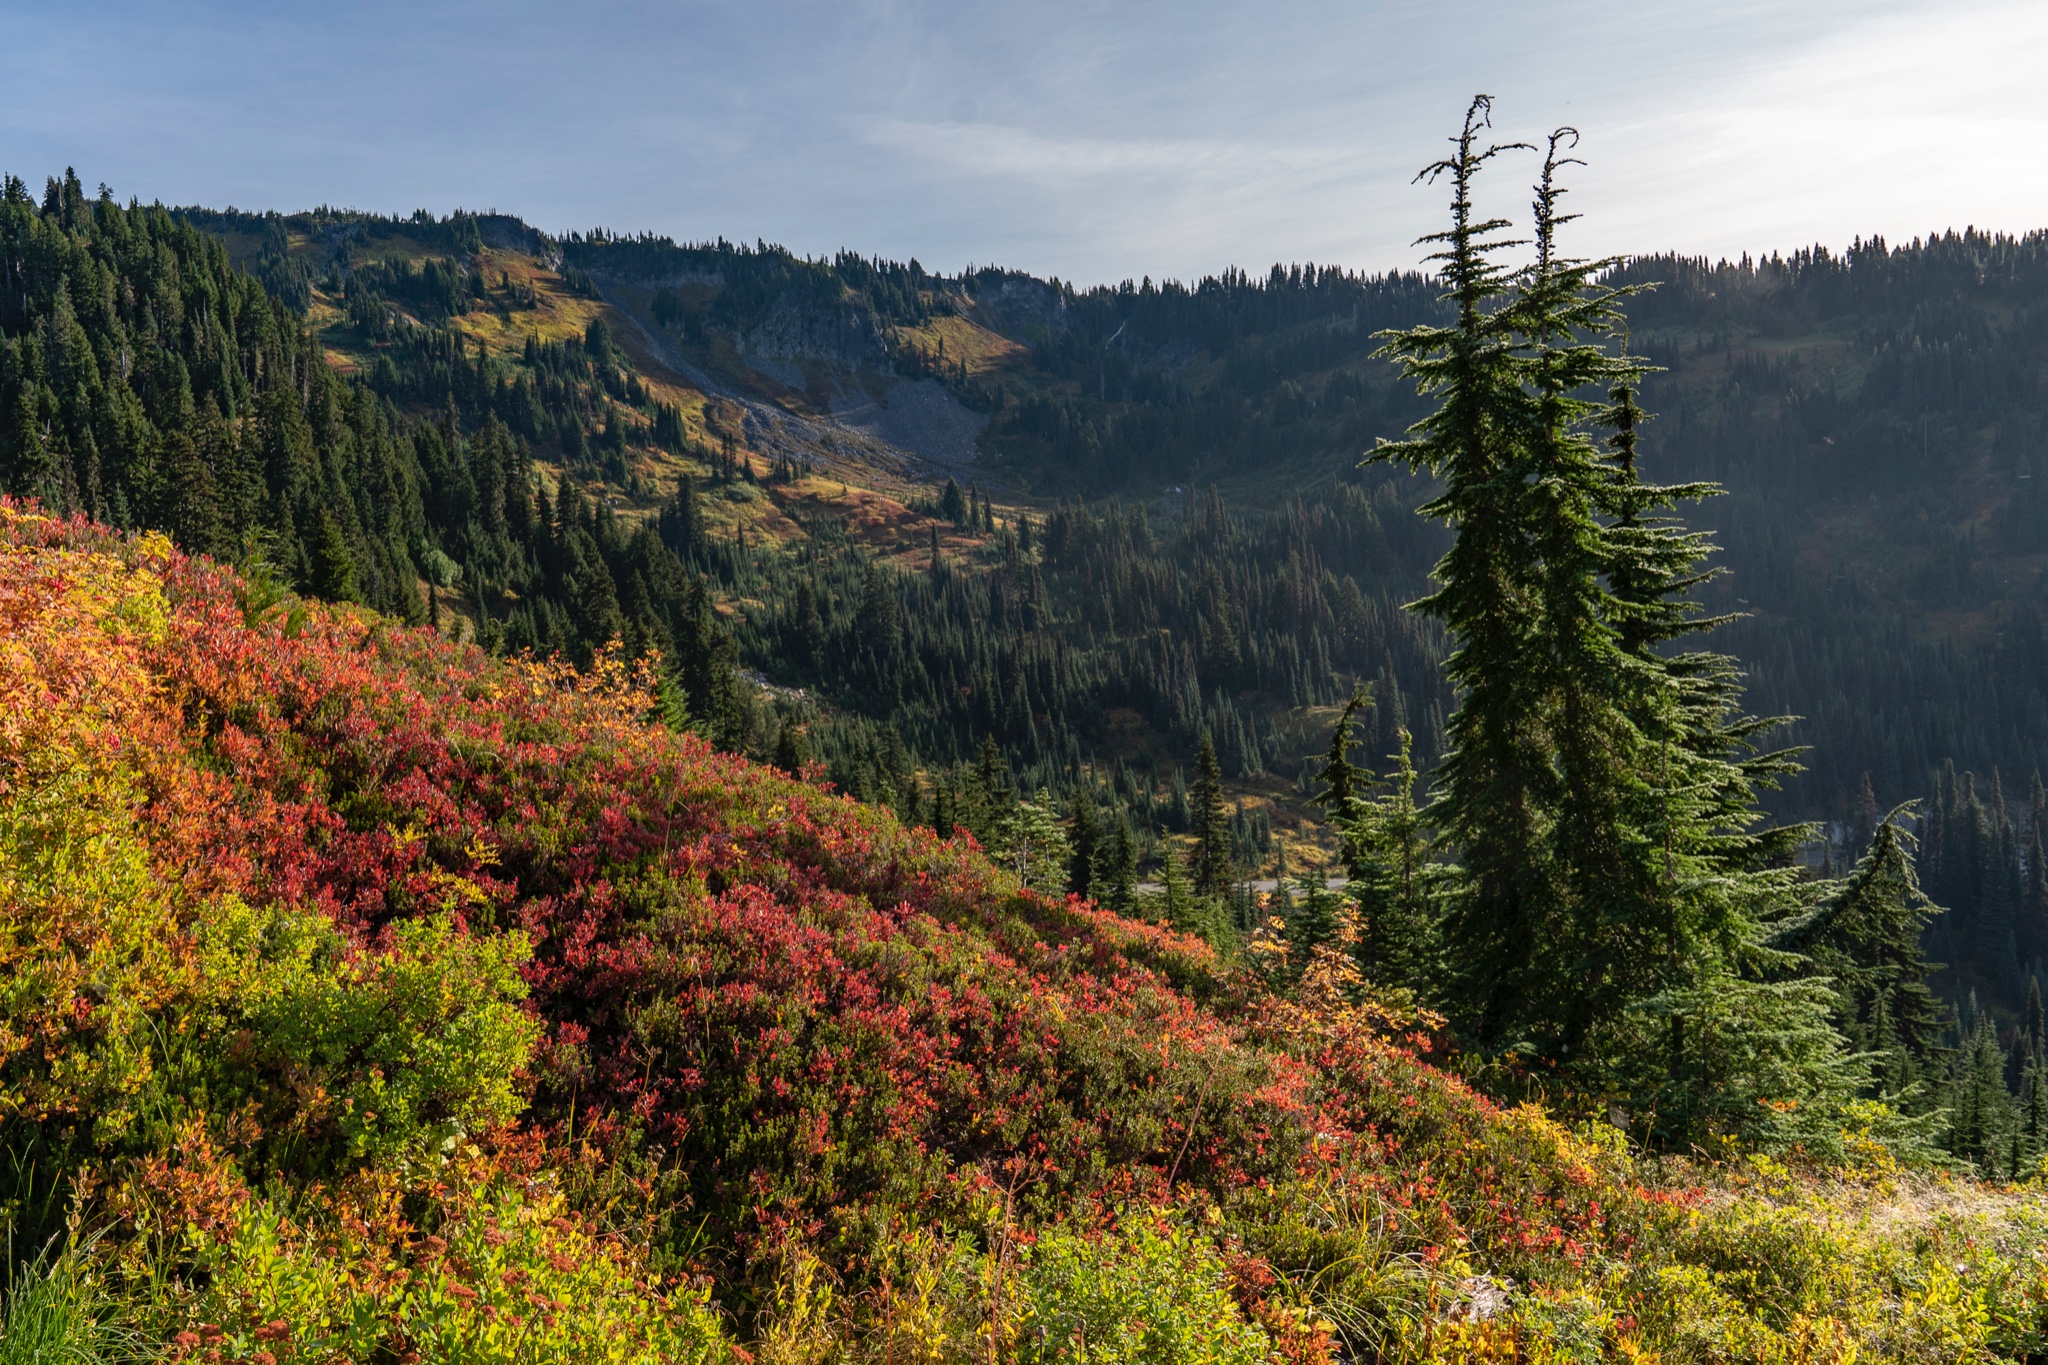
1096, 140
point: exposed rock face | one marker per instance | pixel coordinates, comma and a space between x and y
507, 233
876, 417
1018, 301
792, 333
920, 417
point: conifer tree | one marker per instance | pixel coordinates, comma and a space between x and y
2033, 1117
1344, 783
2034, 898
1654, 849
1028, 837
1896, 1072
806, 639
1595, 793
1394, 885
1386, 855
1491, 786
791, 749
1084, 840
681, 524
1314, 921
1212, 851
1178, 903
671, 700
1866, 939
1866, 814
1981, 1114
986, 797
1118, 870
594, 601
192, 511
703, 665
332, 569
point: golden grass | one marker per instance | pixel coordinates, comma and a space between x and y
965, 341
559, 315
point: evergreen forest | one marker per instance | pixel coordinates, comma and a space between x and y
592, 797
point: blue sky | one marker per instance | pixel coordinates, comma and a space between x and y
1093, 140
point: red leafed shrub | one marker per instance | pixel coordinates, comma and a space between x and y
783, 1014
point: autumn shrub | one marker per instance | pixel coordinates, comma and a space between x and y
467, 1260
89, 936
364, 993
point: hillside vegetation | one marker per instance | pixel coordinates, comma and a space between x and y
588, 799
373, 998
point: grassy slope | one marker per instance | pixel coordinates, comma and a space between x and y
776, 1042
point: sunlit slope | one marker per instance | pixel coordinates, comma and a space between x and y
799, 1029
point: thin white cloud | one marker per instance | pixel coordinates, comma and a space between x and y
1905, 125
1095, 139
993, 149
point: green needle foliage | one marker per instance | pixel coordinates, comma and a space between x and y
1386, 855
1212, 824
1866, 938
1611, 907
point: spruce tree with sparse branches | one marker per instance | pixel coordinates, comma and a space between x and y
1212, 851
1866, 939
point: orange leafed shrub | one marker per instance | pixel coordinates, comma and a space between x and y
400, 1002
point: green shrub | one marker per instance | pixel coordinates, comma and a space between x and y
377, 1051
1154, 1295
497, 1271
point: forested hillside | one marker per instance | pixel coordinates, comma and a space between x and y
430, 650
1165, 534
1876, 417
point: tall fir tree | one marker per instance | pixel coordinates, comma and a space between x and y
1489, 789
1594, 792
